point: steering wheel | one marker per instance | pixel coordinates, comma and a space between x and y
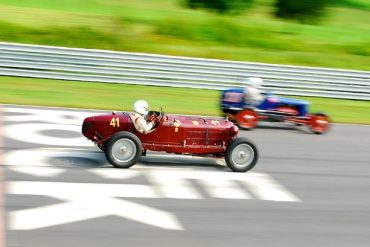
152, 117
156, 117
160, 116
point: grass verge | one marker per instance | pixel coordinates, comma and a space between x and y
43, 92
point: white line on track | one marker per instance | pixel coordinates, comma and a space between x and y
80, 204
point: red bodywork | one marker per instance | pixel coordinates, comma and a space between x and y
173, 134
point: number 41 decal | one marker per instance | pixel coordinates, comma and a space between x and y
114, 122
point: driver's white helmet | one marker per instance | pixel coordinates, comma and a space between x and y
255, 82
141, 107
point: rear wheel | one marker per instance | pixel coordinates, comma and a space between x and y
319, 123
241, 155
123, 150
247, 119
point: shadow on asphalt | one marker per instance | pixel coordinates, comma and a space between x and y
96, 159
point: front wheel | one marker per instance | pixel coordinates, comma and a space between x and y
319, 123
247, 119
123, 150
241, 155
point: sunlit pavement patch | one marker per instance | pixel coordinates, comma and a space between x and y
83, 201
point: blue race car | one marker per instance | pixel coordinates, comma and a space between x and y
272, 109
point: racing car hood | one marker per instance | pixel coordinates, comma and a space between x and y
290, 101
213, 125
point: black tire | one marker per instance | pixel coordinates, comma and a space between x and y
236, 157
247, 119
320, 123
123, 150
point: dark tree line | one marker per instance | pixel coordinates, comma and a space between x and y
301, 10
221, 6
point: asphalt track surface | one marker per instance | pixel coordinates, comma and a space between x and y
306, 190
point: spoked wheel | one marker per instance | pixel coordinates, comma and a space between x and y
319, 123
241, 155
247, 119
123, 150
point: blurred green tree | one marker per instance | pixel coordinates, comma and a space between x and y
301, 10
220, 6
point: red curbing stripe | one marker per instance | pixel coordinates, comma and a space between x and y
2, 183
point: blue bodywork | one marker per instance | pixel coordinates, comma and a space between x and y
233, 99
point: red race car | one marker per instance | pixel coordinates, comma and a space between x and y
123, 145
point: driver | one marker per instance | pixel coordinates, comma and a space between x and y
253, 95
139, 117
